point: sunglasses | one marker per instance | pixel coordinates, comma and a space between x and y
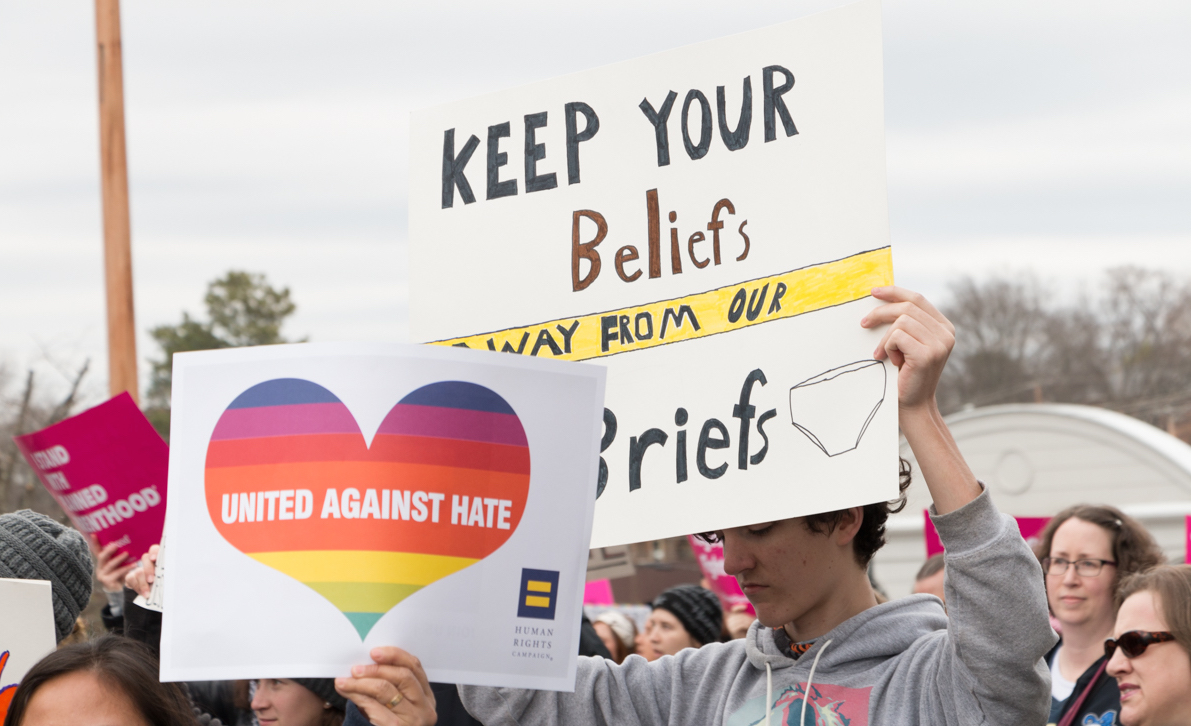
1135, 642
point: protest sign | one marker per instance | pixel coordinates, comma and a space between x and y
330, 498
106, 468
26, 632
598, 592
1030, 528
725, 586
708, 222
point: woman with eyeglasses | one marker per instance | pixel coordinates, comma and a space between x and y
1086, 551
1150, 655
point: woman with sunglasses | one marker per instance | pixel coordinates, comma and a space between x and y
1150, 657
1086, 552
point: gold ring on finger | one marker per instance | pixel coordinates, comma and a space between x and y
392, 704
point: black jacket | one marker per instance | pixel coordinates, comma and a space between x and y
1102, 707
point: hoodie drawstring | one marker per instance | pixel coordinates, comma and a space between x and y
806, 696
768, 692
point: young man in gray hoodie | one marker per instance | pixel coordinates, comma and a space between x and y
823, 652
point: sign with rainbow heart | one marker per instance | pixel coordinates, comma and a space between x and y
326, 499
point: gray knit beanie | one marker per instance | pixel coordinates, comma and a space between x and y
35, 547
324, 688
698, 610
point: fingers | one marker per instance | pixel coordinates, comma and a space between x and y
111, 574
135, 580
374, 687
901, 345
911, 313
892, 312
392, 656
112, 562
916, 330
895, 294
387, 685
373, 711
149, 564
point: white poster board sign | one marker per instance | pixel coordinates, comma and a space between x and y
26, 631
708, 222
329, 498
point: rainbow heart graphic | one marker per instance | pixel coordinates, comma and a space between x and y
291, 483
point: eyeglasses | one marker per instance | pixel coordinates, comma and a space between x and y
1083, 568
1135, 642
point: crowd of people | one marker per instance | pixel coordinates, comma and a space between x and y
823, 643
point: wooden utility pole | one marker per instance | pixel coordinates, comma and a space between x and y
117, 247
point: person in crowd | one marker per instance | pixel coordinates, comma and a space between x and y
228, 701
1086, 551
641, 644
108, 680
1150, 652
929, 580
35, 547
822, 642
298, 702
590, 643
618, 633
686, 616
737, 622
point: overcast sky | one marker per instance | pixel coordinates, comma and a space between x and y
273, 137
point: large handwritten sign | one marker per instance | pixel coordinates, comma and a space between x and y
708, 222
360, 495
106, 467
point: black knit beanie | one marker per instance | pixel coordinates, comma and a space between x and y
324, 688
35, 547
697, 609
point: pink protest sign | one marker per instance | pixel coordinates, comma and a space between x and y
1031, 528
725, 587
598, 592
107, 468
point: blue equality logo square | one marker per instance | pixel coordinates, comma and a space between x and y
539, 594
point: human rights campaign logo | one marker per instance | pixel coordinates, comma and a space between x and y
539, 594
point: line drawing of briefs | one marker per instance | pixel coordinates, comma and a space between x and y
834, 408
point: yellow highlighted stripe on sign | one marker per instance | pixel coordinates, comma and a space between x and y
535, 601
537, 586
406, 568
722, 310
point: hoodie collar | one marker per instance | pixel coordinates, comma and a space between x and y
881, 631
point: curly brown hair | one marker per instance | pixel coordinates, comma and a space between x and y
1133, 548
871, 536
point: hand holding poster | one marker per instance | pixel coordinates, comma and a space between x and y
364, 495
106, 468
708, 222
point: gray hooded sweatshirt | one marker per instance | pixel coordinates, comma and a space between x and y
904, 662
